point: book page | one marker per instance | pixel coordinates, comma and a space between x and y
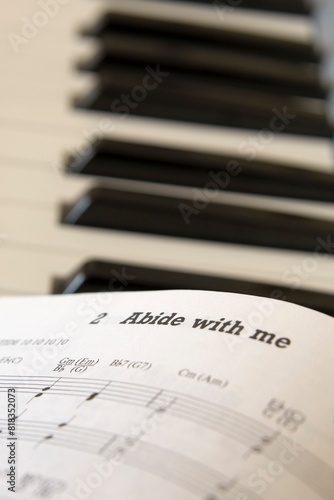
159, 395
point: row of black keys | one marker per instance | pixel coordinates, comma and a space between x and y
184, 217
173, 70
130, 42
161, 215
115, 277
227, 72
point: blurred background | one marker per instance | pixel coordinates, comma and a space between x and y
168, 144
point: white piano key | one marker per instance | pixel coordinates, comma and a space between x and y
26, 271
282, 26
49, 138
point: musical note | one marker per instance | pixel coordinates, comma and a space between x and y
161, 409
264, 441
64, 424
46, 438
94, 395
270, 439
227, 486
44, 390
20, 415
41, 393
131, 441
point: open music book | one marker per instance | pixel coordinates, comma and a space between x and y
159, 395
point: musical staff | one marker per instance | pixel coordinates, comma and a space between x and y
169, 465
256, 437
165, 463
305, 466
45, 389
217, 418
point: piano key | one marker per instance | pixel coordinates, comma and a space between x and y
226, 67
95, 276
28, 266
39, 230
111, 209
135, 161
178, 93
27, 226
41, 151
46, 189
290, 6
240, 62
30, 270
66, 133
295, 29
279, 33
26, 111
20, 108
182, 98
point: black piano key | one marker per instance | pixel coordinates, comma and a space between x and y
141, 162
184, 97
287, 6
196, 219
96, 276
123, 40
225, 66
195, 77
187, 35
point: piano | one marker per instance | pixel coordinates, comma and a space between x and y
167, 144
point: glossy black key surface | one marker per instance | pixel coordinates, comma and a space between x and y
96, 276
134, 161
146, 41
287, 6
171, 70
182, 35
182, 96
181, 217
229, 68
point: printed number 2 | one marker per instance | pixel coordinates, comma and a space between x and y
98, 319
